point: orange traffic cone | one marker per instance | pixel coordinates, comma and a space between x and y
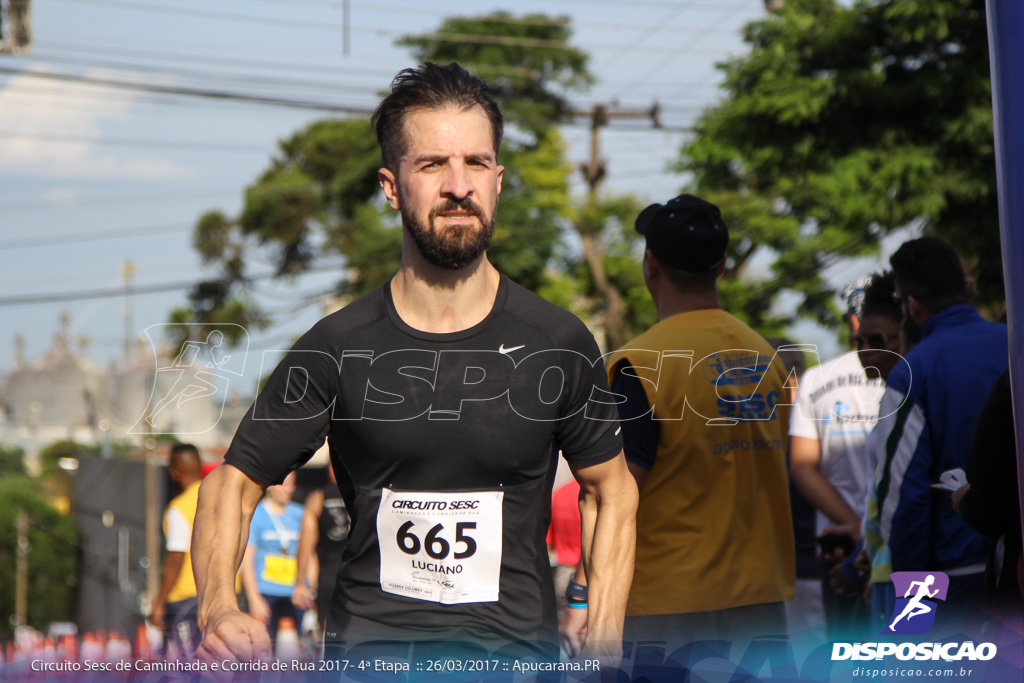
288, 645
142, 649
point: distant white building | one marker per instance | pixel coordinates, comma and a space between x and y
62, 394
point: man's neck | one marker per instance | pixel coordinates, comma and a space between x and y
437, 300
673, 302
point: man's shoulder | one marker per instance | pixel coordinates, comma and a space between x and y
967, 344
366, 310
563, 327
706, 334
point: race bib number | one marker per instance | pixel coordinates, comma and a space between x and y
280, 569
441, 547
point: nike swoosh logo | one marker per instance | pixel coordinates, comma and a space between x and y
502, 349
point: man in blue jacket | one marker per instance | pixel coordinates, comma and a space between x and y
927, 417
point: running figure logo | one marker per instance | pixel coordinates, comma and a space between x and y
914, 613
188, 393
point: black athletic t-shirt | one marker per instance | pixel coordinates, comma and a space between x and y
477, 416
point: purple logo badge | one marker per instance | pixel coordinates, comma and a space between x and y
914, 612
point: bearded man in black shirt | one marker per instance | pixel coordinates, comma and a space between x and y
445, 395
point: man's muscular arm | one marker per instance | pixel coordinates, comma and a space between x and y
608, 500
227, 499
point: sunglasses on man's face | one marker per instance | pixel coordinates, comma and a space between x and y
875, 340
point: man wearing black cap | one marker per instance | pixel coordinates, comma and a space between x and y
704, 427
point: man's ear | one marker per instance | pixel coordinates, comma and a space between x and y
915, 309
652, 268
389, 183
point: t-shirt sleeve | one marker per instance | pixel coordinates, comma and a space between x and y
588, 433
179, 532
640, 431
290, 417
801, 419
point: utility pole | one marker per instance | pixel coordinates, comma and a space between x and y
152, 522
15, 27
21, 570
345, 27
617, 331
128, 273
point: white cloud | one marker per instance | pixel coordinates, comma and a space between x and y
33, 110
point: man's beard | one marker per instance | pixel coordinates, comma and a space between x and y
456, 248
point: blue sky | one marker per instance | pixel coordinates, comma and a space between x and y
93, 176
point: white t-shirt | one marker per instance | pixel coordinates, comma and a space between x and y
837, 405
179, 532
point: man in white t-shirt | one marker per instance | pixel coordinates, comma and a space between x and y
836, 409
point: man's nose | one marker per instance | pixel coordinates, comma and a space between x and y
457, 184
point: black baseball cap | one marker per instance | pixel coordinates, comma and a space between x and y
686, 233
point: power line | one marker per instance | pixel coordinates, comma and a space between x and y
115, 199
222, 76
279, 65
136, 290
686, 49
193, 92
222, 95
646, 32
207, 59
93, 236
120, 142
484, 39
151, 103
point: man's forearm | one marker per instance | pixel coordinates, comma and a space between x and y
227, 499
608, 512
172, 568
824, 497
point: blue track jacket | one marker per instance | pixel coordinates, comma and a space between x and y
926, 422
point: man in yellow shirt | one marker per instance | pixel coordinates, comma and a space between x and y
175, 605
704, 414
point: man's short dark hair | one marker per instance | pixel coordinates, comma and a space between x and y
929, 270
430, 86
878, 298
182, 447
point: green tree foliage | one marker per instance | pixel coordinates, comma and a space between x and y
12, 461
53, 559
842, 124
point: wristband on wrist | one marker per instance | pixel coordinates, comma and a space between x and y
577, 605
575, 592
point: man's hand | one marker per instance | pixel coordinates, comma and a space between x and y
303, 596
573, 631
958, 495
838, 554
233, 635
156, 617
842, 583
259, 608
863, 561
